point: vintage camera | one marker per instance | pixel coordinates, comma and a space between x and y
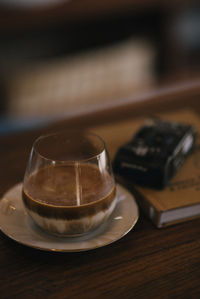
155, 153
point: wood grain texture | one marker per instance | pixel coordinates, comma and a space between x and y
146, 263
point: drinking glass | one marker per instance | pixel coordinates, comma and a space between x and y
69, 187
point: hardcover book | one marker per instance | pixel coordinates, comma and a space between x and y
180, 200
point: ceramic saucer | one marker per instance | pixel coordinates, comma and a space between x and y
17, 225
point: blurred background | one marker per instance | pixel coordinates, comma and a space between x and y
62, 58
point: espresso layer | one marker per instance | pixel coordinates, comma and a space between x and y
72, 227
68, 192
68, 212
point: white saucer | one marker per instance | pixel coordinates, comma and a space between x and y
17, 225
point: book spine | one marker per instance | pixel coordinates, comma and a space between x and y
148, 209
143, 203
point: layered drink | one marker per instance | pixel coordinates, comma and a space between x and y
69, 200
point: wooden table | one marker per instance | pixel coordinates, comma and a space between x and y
146, 263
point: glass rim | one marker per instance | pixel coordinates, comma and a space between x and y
62, 132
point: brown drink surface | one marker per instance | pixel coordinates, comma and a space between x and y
68, 191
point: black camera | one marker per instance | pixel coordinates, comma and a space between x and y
155, 153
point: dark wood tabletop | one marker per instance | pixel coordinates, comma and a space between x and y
146, 263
